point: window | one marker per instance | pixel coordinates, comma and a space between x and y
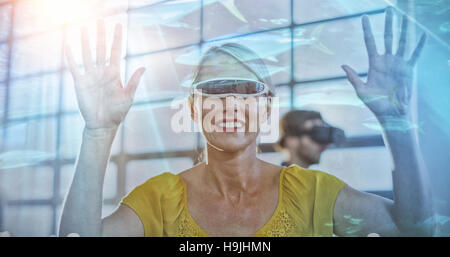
303, 43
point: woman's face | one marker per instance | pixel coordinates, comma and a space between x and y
229, 124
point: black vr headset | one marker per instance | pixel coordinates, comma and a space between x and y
325, 134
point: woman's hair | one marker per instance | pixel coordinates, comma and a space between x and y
242, 55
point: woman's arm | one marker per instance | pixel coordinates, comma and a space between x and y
387, 94
104, 103
410, 214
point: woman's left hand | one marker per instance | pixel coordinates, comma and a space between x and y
388, 89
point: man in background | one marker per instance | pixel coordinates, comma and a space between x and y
304, 136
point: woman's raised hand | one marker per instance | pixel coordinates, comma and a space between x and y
387, 92
102, 98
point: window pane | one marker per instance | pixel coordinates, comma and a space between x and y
30, 141
140, 3
223, 18
307, 11
109, 184
274, 158
284, 95
28, 220
3, 61
36, 54
72, 132
69, 102
148, 128
5, 21
140, 171
167, 74
273, 47
431, 15
165, 25
34, 16
2, 103
367, 169
25, 183
339, 105
108, 209
33, 96
319, 55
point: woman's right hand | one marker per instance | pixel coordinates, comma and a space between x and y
102, 99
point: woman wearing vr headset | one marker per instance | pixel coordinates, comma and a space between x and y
234, 193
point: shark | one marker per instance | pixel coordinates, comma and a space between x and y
394, 124
330, 96
268, 46
171, 13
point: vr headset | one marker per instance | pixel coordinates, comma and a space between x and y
324, 134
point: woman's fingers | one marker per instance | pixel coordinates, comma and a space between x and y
71, 63
402, 42
416, 54
368, 37
134, 81
101, 48
86, 50
388, 31
116, 50
353, 77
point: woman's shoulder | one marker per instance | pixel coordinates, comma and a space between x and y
160, 180
168, 182
307, 178
161, 184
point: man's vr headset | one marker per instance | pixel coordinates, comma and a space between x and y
325, 134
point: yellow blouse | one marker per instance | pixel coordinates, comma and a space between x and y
305, 205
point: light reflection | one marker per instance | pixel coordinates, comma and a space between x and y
172, 13
15, 159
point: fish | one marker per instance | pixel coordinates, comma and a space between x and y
15, 159
318, 44
445, 27
330, 95
171, 13
267, 46
280, 21
394, 124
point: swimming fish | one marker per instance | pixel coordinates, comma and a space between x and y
329, 95
393, 124
445, 27
280, 21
